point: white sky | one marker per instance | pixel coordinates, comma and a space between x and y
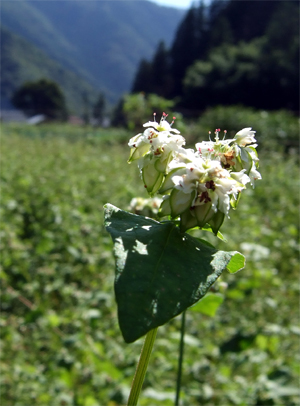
175, 3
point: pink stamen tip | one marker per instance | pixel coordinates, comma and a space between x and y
174, 118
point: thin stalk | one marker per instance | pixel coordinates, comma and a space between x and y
181, 347
141, 369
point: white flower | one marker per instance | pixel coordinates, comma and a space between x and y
163, 125
240, 177
254, 175
245, 137
198, 186
205, 148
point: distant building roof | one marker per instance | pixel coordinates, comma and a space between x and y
39, 118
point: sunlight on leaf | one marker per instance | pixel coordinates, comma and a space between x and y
160, 272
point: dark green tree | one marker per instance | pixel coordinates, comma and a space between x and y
190, 43
118, 116
161, 71
41, 97
228, 76
86, 104
99, 109
279, 62
184, 49
143, 81
247, 19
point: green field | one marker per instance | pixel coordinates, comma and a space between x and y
61, 343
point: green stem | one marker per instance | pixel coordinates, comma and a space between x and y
181, 346
141, 368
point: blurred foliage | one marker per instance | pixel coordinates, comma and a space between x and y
41, 97
136, 109
61, 344
274, 129
99, 109
229, 52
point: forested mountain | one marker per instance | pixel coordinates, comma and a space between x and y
99, 41
229, 52
21, 62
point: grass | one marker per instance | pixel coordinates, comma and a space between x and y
61, 343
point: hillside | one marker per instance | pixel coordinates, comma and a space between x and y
100, 41
22, 61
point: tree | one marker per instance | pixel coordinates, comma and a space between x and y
154, 76
183, 51
190, 43
228, 76
41, 97
99, 109
135, 109
161, 71
143, 79
263, 72
279, 75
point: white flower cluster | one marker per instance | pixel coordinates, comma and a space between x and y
197, 186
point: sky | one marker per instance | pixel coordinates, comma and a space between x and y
185, 4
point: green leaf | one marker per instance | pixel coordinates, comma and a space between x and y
236, 263
219, 235
209, 304
160, 272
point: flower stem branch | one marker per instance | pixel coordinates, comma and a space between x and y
141, 368
181, 348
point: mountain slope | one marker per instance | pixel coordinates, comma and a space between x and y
22, 61
102, 41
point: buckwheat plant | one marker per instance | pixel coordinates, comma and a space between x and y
161, 270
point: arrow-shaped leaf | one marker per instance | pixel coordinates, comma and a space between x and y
160, 272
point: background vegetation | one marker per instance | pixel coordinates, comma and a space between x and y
226, 53
60, 339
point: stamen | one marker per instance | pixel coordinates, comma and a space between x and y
154, 116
